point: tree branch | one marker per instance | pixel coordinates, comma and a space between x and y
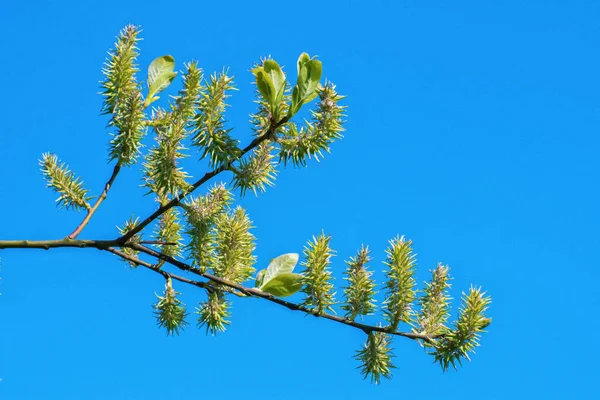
269, 297
91, 211
50, 244
109, 245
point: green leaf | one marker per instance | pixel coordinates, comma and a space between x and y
265, 85
160, 76
312, 96
283, 285
316, 69
296, 102
308, 80
305, 90
159, 66
260, 277
303, 59
277, 77
282, 264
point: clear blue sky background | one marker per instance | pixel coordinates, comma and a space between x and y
472, 128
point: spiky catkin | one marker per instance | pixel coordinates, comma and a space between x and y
65, 183
361, 288
316, 280
163, 174
123, 99
297, 145
234, 244
201, 213
129, 120
210, 135
376, 357
400, 284
120, 69
261, 119
256, 172
169, 310
214, 313
189, 95
457, 343
434, 303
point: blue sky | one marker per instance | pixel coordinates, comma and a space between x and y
472, 129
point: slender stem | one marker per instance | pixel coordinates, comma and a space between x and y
207, 176
158, 242
91, 211
154, 268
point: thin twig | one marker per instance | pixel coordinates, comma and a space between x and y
91, 211
158, 242
154, 268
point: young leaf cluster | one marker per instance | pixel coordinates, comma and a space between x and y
271, 84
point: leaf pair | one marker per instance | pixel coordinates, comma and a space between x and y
309, 74
160, 76
278, 278
270, 81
